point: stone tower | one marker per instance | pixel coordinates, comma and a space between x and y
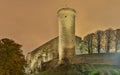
66, 21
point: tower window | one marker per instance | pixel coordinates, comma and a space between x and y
65, 16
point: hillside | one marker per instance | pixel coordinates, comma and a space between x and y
88, 65
83, 69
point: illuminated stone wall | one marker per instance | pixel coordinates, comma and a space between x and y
66, 22
104, 58
44, 53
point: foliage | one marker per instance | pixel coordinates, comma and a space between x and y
108, 38
98, 37
48, 73
85, 69
83, 48
102, 41
89, 42
97, 69
117, 39
11, 58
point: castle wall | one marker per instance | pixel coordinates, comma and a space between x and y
45, 53
110, 59
42, 54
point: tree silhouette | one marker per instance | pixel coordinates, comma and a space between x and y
108, 38
11, 58
89, 42
83, 47
117, 39
98, 37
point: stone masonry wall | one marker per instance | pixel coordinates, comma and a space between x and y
110, 59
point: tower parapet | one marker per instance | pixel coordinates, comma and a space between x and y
66, 21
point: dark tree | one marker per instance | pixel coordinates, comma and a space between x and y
89, 42
108, 38
98, 37
11, 58
117, 39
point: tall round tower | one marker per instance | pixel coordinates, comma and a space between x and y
66, 21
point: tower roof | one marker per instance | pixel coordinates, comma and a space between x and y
66, 9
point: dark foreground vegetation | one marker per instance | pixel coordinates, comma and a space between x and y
83, 69
12, 60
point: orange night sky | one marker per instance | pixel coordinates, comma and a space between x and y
34, 22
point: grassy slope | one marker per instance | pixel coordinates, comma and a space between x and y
84, 69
